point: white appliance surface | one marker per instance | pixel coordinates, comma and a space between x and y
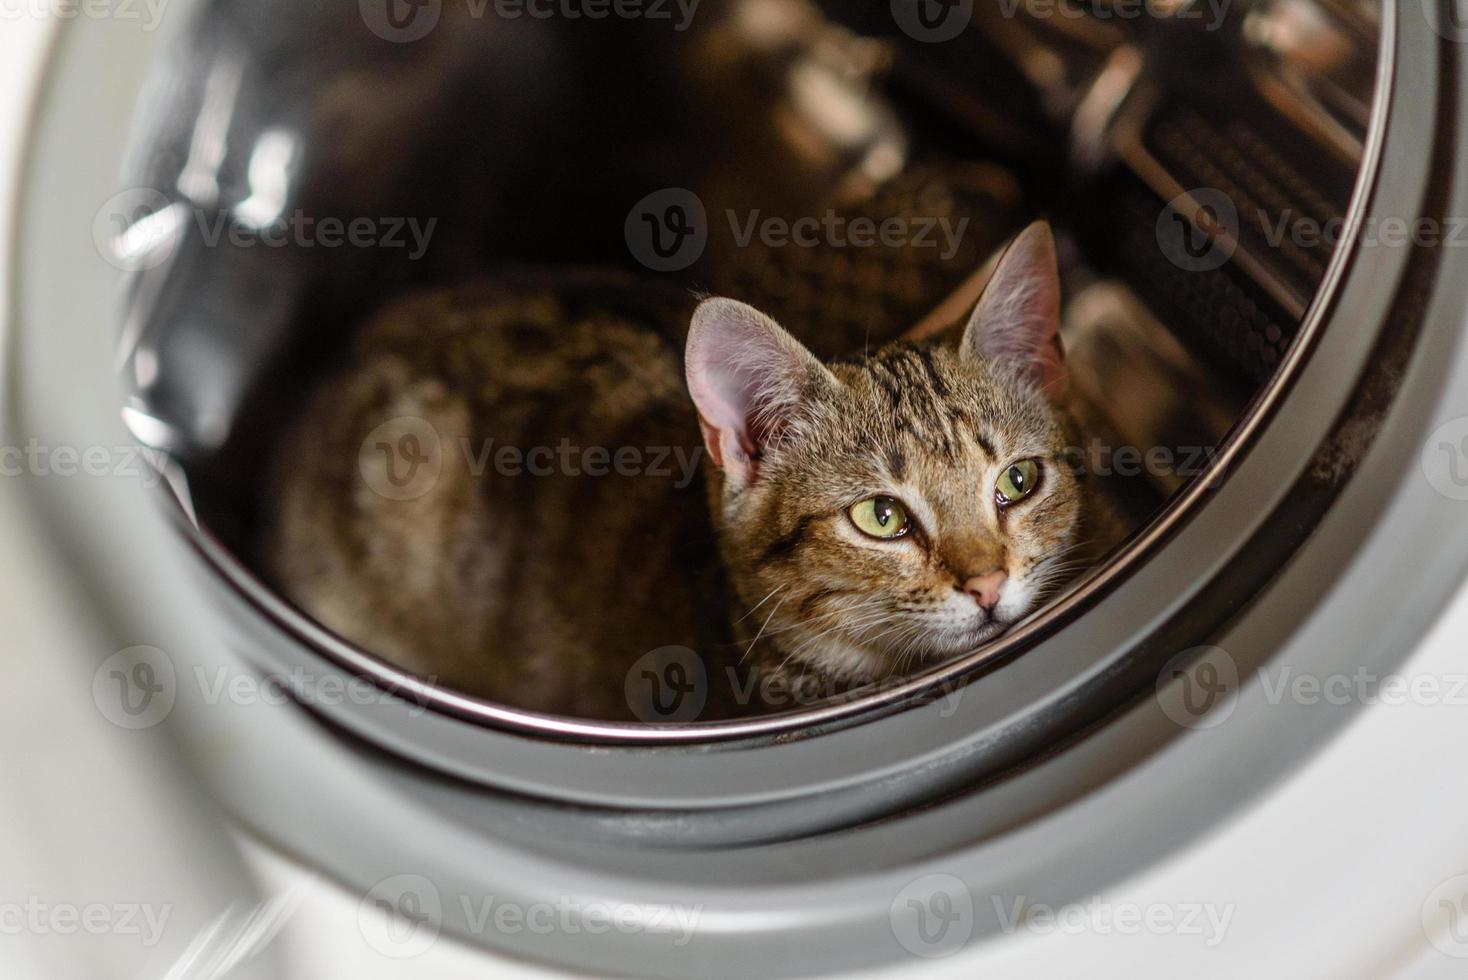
1347, 869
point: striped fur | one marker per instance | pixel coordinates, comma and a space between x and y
541, 591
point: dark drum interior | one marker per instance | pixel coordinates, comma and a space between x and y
1174, 152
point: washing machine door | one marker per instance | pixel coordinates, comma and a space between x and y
114, 860
1250, 788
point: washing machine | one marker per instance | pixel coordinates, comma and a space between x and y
1226, 750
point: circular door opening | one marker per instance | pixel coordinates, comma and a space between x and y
799, 833
1203, 176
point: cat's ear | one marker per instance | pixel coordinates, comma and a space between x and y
1016, 323
751, 381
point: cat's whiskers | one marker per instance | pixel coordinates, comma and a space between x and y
871, 619
761, 602
762, 628
897, 625
810, 641
854, 609
911, 648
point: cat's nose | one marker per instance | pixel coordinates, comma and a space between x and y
985, 588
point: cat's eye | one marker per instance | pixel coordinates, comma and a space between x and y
1017, 482
880, 517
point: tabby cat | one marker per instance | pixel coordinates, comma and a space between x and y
500, 492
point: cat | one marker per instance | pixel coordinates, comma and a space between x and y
855, 520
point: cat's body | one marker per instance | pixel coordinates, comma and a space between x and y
530, 581
551, 529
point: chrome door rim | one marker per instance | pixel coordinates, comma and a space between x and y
931, 684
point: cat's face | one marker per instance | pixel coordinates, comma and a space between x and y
924, 510
899, 509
